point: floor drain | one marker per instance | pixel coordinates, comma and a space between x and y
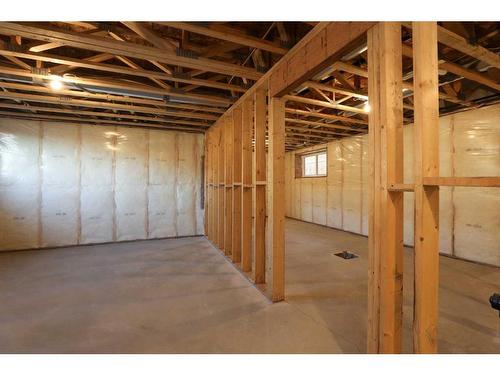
346, 255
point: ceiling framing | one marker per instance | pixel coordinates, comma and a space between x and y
147, 74
179, 75
469, 77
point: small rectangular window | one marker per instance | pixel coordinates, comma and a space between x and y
314, 165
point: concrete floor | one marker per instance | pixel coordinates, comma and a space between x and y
182, 296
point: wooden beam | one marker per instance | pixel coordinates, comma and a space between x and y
316, 130
206, 100
276, 181
322, 103
259, 117
320, 138
406, 188
103, 105
459, 43
349, 68
73, 119
247, 198
426, 164
102, 114
99, 44
147, 34
15, 60
237, 185
229, 35
325, 116
109, 97
460, 71
317, 54
325, 124
321, 86
51, 45
66, 64
462, 181
61, 69
386, 207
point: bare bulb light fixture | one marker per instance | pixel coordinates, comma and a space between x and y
56, 83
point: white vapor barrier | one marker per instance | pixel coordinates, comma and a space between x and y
60, 184
68, 184
96, 214
334, 184
162, 181
96, 194
19, 218
477, 147
199, 168
186, 181
19, 193
351, 192
131, 215
131, 183
162, 218
469, 217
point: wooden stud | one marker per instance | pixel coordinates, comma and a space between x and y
426, 164
222, 174
260, 112
228, 226
246, 222
237, 188
215, 167
276, 180
386, 219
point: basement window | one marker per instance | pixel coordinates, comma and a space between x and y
313, 164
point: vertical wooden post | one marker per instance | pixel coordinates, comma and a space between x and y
385, 305
426, 164
206, 184
374, 197
222, 174
246, 209
215, 183
259, 177
228, 186
237, 185
276, 135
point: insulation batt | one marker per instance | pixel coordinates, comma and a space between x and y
469, 217
67, 184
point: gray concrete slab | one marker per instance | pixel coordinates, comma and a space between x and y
183, 296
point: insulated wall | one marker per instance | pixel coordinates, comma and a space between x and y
469, 217
68, 184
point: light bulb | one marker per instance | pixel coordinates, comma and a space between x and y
367, 107
56, 83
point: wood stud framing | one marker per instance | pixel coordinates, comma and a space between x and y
259, 178
245, 143
247, 185
385, 280
426, 164
276, 191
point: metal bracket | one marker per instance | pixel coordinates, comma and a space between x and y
186, 53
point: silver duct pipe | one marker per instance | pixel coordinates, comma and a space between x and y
106, 90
